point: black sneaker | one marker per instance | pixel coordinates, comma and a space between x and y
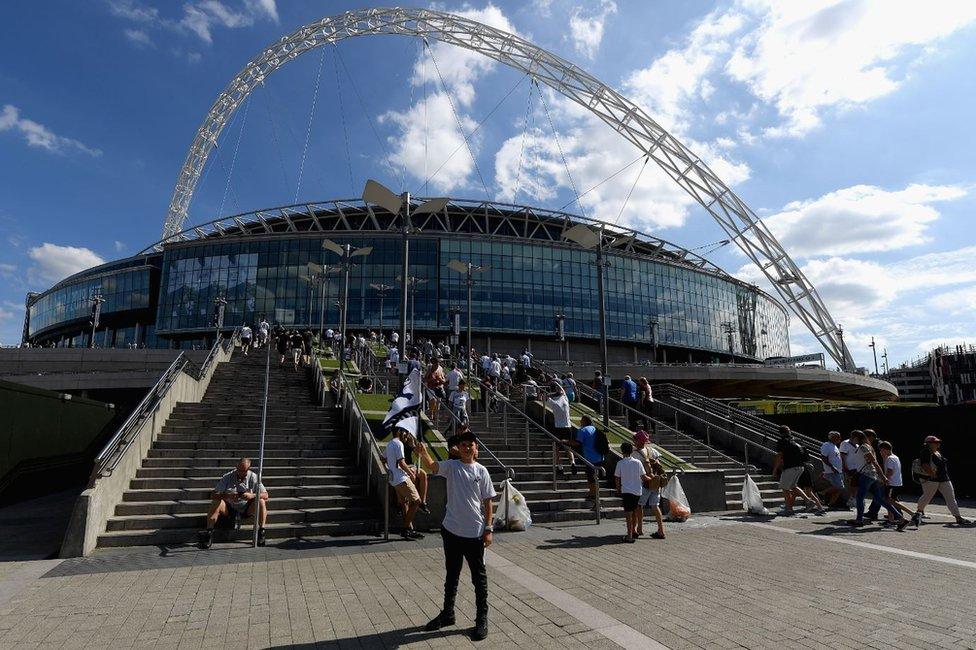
902, 524
206, 539
411, 534
261, 539
480, 631
856, 523
916, 519
423, 508
441, 620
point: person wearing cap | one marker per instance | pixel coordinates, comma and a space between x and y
403, 477
871, 479
466, 530
651, 492
935, 479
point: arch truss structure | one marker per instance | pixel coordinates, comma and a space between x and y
737, 219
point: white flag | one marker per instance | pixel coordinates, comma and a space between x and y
410, 397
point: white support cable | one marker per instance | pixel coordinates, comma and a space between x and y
457, 119
233, 161
627, 198
629, 120
525, 128
423, 75
277, 144
342, 116
562, 155
605, 180
308, 127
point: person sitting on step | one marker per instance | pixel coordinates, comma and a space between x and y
237, 494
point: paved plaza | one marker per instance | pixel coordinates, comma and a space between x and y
716, 582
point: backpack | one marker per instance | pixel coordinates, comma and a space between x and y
601, 443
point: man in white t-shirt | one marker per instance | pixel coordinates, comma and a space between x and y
466, 530
246, 338
891, 465
629, 477
403, 478
562, 428
393, 357
833, 468
650, 497
454, 375
851, 469
495, 368
263, 330
526, 359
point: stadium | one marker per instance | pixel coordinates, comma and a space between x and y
657, 292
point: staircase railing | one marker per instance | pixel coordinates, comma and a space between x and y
531, 424
455, 421
735, 419
358, 430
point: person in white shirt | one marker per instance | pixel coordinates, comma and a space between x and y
562, 428
467, 529
495, 367
246, 338
403, 479
263, 330
453, 377
527, 359
485, 363
892, 468
846, 449
833, 469
393, 357
395, 337
650, 493
630, 478
459, 401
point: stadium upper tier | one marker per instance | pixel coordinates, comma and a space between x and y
259, 262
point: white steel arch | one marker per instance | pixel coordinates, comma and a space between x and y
736, 218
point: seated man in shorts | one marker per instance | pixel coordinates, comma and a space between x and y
403, 477
236, 494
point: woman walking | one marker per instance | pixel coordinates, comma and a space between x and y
935, 478
870, 481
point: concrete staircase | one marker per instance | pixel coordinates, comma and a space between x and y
533, 477
314, 487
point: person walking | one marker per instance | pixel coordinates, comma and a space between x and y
569, 386
788, 466
934, 477
628, 395
651, 490
246, 334
307, 337
263, 330
434, 382
466, 530
833, 471
893, 475
629, 477
562, 428
297, 345
281, 343
586, 440
870, 480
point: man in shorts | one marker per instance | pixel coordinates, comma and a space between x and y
629, 477
237, 493
403, 477
790, 458
562, 427
651, 490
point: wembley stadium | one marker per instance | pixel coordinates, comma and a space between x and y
660, 297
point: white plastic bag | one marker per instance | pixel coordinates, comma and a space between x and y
518, 517
678, 507
751, 498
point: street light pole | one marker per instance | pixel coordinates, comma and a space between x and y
729, 329
381, 289
874, 351
97, 301
221, 303
653, 324
404, 273
468, 269
561, 334
346, 252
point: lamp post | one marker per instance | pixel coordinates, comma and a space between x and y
874, 351
584, 237
412, 283
96, 301
561, 334
729, 330
376, 194
220, 304
347, 252
455, 313
468, 269
653, 323
884, 356
840, 337
381, 289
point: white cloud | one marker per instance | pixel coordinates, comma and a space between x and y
200, 17
956, 303
119, 246
38, 135
428, 130
53, 262
950, 341
8, 270
594, 153
138, 37
586, 29
805, 57
859, 219
133, 10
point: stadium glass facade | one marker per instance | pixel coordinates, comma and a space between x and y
525, 284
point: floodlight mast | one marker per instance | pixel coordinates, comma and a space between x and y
738, 220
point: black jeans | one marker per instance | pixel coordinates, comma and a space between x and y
457, 550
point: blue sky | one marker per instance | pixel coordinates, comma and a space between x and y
846, 125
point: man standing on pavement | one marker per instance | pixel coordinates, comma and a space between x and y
466, 529
586, 440
833, 470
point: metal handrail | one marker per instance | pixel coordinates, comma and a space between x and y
598, 470
509, 472
592, 394
348, 395
111, 454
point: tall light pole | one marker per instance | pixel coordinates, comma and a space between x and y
97, 299
376, 194
455, 313
347, 252
729, 330
220, 304
885, 357
840, 337
653, 323
381, 289
412, 283
561, 333
874, 351
584, 236
468, 269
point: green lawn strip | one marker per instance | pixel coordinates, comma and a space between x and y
333, 364
619, 433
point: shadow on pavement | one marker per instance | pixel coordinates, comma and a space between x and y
579, 541
392, 639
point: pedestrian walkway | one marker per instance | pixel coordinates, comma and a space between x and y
717, 581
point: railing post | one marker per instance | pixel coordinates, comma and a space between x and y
597, 504
745, 447
708, 439
554, 466
505, 421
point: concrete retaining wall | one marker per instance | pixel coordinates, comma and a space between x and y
97, 503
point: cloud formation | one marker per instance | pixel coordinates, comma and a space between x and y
53, 263
199, 17
586, 28
38, 135
860, 219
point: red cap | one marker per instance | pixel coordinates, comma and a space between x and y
932, 439
641, 437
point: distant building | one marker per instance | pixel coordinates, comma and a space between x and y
914, 383
953, 372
